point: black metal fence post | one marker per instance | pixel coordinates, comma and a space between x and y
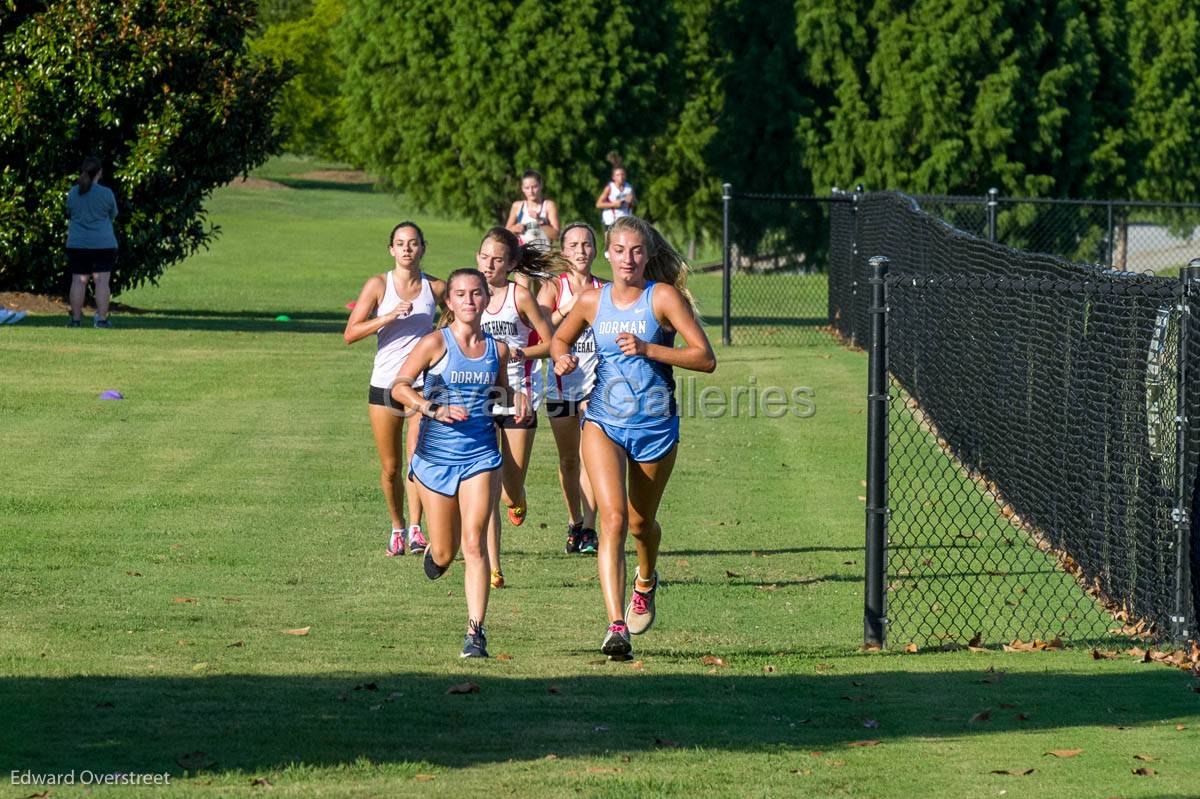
1189, 290
877, 438
726, 265
992, 202
1111, 243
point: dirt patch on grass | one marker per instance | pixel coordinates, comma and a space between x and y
33, 303
255, 183
50, 304
356, 176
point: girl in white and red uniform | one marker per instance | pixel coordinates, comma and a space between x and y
566, 395
399, 308
513, 317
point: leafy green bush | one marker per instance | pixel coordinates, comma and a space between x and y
162, 90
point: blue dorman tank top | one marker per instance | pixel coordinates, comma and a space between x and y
467, 382
630, 390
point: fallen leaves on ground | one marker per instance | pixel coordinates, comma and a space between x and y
423, 778
1036, 645
1019, 773
713, 660
665, 742
235, 645
1146, 758
911, 649
552, 689
982, 715
604, 770
731, 575
185, 600
861, 744
1106, 654
769, 669
504, 656
1063, 752
463, 688
1144, 772
298, 631
261, 782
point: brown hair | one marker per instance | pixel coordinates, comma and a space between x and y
447, 314
535, 263
88, 172
663, 263
404, 224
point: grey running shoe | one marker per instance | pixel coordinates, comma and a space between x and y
640, 612
588, 541
102, 323
475, 644
616, 641
72, 323
432, 570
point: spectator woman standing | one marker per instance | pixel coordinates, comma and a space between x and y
91, 243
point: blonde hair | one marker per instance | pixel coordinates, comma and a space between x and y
663, 263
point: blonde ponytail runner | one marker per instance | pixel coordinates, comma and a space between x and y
663, 263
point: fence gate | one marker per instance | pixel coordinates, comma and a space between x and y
776, 268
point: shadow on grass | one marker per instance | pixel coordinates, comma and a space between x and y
211, 321
262, 722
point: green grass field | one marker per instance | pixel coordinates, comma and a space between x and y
158, 548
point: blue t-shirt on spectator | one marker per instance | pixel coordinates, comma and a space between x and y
91, 216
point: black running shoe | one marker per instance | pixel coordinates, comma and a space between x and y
432, 570
475, 644
616, 641
588, 541
574, 531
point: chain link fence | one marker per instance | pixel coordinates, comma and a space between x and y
1032, 437
776, 268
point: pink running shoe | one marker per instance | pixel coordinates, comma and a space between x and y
616, 641
416, 541
395, 543
640, 612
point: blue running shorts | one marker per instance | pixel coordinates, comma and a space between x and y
444, 478
646, 444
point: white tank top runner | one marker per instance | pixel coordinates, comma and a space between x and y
397, 338
577, 385
507, 325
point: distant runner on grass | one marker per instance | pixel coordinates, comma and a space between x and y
398, 307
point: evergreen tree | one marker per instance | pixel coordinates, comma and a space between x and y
451, 101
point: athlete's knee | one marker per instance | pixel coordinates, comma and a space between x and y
442, 553
569, 462
614, 521
474, 547
388, 471
640, 527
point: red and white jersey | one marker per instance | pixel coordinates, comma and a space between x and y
507, 325
577, 385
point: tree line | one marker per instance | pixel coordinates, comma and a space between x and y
449, 101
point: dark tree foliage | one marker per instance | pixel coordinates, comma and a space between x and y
451, 100
162, 90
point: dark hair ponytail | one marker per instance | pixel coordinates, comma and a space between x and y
88, 172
